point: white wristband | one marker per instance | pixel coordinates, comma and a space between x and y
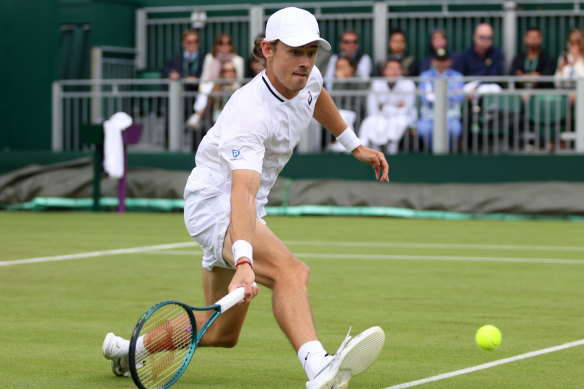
242, 249
349, 140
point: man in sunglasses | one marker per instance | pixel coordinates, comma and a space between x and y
349, 48
481, 59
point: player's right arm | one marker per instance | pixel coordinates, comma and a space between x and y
244, 188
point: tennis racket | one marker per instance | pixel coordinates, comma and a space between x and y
165, 338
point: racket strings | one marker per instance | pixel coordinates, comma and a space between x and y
167, 335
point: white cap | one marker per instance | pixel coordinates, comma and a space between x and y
294, 27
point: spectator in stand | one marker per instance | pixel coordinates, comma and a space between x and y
441, 68
571, 62
188, 64
534, 61
349, 106
254, 66
398, 51
438, 40
223, 51
213, 97
391, 107
481, 59
349, 48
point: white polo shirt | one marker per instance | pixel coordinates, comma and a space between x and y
258, 129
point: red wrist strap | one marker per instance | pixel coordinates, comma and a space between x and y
242, 261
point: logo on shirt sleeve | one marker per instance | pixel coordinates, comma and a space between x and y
309, 97
235, 153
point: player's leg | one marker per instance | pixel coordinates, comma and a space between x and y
225, 330
277, 268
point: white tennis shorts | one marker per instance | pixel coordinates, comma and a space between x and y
206, 216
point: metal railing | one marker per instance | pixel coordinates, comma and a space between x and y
511, 120
158, 29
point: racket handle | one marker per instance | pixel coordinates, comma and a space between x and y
232, 298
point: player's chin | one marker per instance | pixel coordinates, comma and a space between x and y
299, 81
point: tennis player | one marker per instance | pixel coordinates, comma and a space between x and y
237, 163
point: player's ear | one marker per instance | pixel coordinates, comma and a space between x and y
268, 49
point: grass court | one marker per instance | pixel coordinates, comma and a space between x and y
430, 284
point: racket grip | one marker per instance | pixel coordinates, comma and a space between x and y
232, 298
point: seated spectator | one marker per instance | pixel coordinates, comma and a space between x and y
349, 106
398, 51
391, 109
571, 62
350, 49
441, 68
223, 51
213, 97
254, 65
438, 40
481, 59
188, 64
534, 61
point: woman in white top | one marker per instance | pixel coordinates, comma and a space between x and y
571, 63
223, 51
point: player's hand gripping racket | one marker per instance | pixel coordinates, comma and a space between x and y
165, 338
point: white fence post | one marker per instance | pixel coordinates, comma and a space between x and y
440, 130
141, 38
579, 110
509, 32
256, 22
379, 32
175, 115
57, 119
96, 75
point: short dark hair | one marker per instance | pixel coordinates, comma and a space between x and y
397, 31
351, 61
533, 28
392, 59
188, 32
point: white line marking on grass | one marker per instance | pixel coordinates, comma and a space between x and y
407, 257
488, 365
440, 246
92, 254
175, 252
442, 258
156, 249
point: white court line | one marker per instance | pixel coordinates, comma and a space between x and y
442, 258
440, 246
488, 365
157, 248
414, 257
93, 254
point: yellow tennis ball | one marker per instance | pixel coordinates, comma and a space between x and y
488, 337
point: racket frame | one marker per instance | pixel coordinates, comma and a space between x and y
196, 336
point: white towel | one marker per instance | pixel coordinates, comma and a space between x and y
113, 144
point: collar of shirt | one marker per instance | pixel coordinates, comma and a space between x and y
486, 54
272, 89
191, 56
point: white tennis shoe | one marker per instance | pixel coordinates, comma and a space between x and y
116, 349
353, 357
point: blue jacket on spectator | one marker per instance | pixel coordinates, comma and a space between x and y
455, 96
470, 64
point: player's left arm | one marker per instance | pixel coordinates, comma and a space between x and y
327, 114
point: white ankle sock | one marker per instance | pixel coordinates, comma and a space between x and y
140, 348
312, 357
